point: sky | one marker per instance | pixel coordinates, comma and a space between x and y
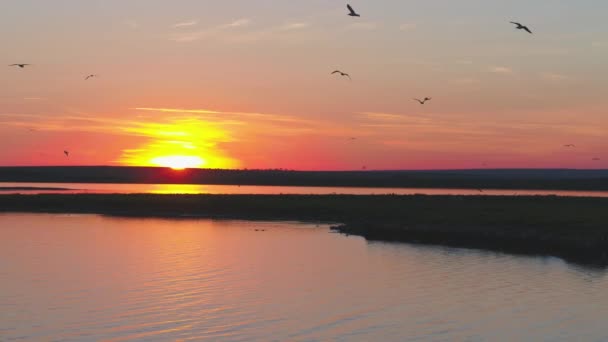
247, 84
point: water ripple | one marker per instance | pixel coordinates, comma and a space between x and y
91, 278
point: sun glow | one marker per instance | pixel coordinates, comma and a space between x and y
181, 143
179, 162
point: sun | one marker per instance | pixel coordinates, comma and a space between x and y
179, 162
180, 143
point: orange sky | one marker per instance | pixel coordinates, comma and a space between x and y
248, 85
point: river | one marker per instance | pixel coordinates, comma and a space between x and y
96, 278
101, 188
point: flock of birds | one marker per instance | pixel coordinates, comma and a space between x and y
352, 13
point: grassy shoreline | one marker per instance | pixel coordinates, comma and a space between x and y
521, 179
575, 229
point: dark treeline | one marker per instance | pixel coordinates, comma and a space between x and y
490, 179
573, 228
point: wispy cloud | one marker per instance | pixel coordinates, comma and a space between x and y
554, 77
466, 81
500, 70
365, 26
407, 27
238, 23
177, 110
132, 24
186, 24
295, 26
210, 32
238, 115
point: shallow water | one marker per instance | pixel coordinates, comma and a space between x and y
94, 278
78, 188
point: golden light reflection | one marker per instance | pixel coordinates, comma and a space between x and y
180, 144
185, 189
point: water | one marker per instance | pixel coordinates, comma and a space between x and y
94, 278
77, 188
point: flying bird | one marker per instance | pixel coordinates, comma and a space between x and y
342, 74
596, 159
20, 65
521, 27
570, 145
67, 153
352, 11
90, 76
423, 101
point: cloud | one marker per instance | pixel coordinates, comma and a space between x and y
132, 24
186, 24
237, 115
466, 81
366, 26
238, 23
500, 70
177, 110
295, 26
550, 76
211, 32
407, 27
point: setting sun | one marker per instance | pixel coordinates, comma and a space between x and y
179, 162
189, 142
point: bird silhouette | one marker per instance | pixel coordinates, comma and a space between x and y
570, 145
596, 159
21, 65
90, 76
521, 27
67, 153
352, 11
342, 74
424, 100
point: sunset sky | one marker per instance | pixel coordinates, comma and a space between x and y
247, 84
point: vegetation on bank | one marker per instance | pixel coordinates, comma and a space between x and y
574, 228
539, 179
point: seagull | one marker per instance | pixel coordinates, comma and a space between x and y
423, 101
90, 76
342, 74
352, 11
67, 153
521, 27
20, 65
570, 145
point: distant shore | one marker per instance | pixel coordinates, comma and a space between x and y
518, 179
32, 188
575, 229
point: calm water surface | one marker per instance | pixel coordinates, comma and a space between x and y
75, 188
93, 278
